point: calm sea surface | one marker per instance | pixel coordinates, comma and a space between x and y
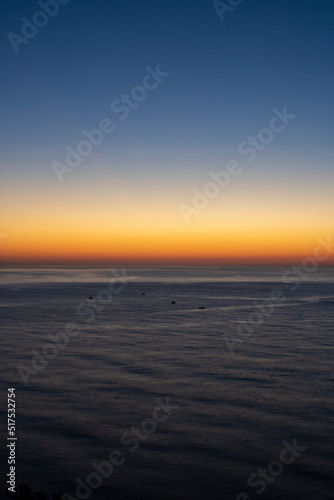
251, 370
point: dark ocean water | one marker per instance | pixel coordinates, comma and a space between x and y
238, 397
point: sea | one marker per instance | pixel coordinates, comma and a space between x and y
163, 383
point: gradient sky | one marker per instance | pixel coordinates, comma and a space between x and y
122, 203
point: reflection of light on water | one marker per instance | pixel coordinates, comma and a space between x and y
167, 275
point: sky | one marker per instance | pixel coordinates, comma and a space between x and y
117, 119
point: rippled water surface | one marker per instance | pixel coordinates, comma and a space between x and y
238, 397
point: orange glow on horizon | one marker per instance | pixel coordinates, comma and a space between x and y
87, 227
161, 248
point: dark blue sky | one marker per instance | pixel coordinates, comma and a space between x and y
225, 77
